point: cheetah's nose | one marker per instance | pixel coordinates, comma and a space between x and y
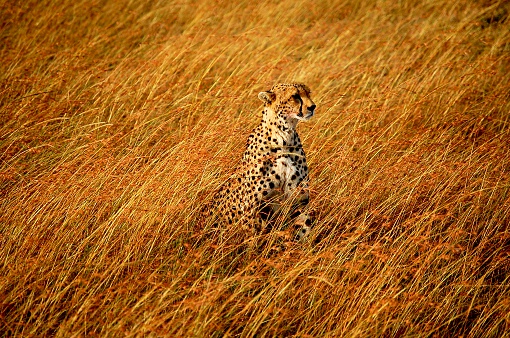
311, 108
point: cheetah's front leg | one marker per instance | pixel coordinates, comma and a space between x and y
301, 213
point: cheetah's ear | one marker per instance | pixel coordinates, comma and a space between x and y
267, 97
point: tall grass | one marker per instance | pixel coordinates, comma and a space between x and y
119, 118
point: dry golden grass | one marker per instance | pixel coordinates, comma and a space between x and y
119, 118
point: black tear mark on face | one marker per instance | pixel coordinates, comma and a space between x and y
297, 97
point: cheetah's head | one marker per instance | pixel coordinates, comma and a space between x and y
289, 101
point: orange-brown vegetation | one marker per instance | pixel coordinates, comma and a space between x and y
119, 118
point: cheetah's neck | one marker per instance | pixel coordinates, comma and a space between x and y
282, 133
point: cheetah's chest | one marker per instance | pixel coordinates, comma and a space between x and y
291, 172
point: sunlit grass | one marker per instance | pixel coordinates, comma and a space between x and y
119, 119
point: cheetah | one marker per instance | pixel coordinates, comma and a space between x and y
273, 170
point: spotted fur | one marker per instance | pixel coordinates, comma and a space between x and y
274, 171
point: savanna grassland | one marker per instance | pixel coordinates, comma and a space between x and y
119, 119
